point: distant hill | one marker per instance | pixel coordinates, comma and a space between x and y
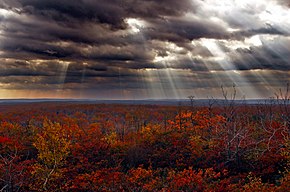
174, 102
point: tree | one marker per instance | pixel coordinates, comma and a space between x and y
53, 148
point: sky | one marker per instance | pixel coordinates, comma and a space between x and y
143, 49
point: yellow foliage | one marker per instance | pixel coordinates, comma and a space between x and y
52, 145
150, 131
197, 145
111, 138
53, 148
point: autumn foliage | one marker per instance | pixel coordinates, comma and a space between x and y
88, 147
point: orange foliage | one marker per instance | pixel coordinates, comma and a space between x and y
86, 147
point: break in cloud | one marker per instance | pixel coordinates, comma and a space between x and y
133, 49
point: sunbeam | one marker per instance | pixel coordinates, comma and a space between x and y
143, 49
229, 69
62, 76
154, 83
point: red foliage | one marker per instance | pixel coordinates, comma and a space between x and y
144, 148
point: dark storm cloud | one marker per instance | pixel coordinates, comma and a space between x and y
67, 11
271, 54
99, 44
36, 24
111, 12
82, 21
179, 30
34, 49
30, 68
284, 2
261, 58
269, 30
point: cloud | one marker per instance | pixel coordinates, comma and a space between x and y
111, 12
272, 55
284, 2
146, 45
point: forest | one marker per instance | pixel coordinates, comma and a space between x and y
120, 147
